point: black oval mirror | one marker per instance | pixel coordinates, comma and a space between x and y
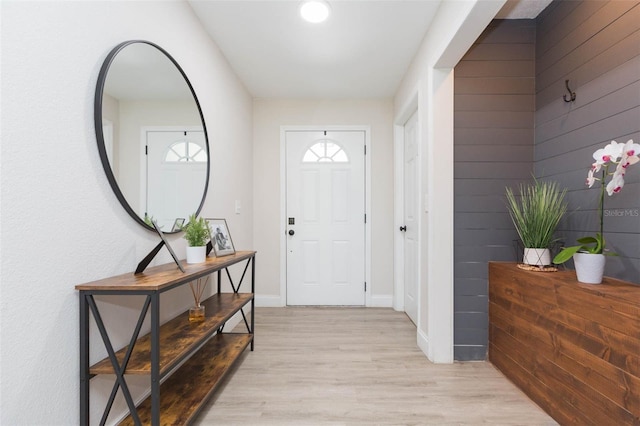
151, 135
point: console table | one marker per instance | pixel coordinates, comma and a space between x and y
573, 348
203, 352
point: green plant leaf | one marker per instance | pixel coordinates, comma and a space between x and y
587, 240
566, 254
196, 231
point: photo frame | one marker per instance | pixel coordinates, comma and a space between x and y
220, 237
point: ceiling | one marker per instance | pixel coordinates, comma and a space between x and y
362, 50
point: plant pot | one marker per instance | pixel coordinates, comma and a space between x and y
537, 256
589, 267
196, 254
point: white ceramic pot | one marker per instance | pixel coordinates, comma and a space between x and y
589, 267
196, 254
537, 256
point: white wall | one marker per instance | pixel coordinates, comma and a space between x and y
269, 115
429, 79
61, 224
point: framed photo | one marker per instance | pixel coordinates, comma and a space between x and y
177, 225
220, 237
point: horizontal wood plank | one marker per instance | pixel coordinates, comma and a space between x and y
613, 103
165, 276
484, 103
188, 389
501, 52
508, 31
571, 343
492, 119
480, 154
615, 304
178, 336
567, 144
560, 19
594, 373
473, 69
469, 137
546, 397
606, 83
602, 28
493, 86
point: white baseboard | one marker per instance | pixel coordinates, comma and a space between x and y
268, 301
429, 350
423, 343
271, 301
382, 301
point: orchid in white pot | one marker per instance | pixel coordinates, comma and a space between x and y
617, 155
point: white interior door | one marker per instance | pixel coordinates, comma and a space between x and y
411, 211
325, 217
176, 172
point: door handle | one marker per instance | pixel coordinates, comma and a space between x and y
403, 228
291, 232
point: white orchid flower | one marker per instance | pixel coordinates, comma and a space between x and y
617, 182
611, 152
630, 153
591, 179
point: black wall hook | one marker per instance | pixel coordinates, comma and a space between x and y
573, 94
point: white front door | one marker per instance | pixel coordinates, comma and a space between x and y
325, 217
176, 173
411, 211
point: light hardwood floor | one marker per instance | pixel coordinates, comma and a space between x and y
358, 366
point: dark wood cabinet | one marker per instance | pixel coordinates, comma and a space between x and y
184, 361
572, 348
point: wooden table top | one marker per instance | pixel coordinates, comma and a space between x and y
162, 276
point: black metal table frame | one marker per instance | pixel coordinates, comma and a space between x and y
88, 304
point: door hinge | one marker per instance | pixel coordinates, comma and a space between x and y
365, 150
146, 150
365, 218
365, 286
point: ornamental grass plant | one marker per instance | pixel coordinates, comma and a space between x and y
537, 211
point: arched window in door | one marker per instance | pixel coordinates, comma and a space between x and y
185, 151
325, 151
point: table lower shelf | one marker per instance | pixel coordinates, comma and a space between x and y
184, 393
178, 336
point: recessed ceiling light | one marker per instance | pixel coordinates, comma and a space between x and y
315, 11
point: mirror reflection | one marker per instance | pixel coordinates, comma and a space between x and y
153, 141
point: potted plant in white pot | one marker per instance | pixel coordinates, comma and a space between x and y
588, 257
197, 233
536, 213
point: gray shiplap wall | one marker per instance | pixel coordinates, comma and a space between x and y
510, 121
596, 45
493, 148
